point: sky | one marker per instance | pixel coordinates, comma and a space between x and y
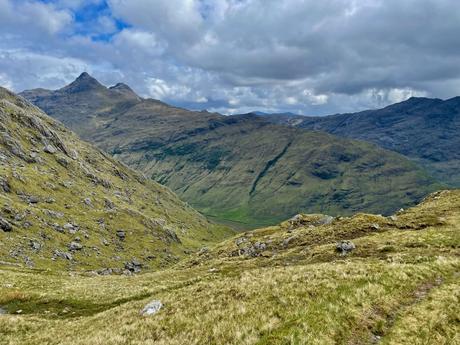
234, 56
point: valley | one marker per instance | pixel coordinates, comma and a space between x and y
237, 168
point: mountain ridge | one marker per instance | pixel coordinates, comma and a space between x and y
228, 166
423, 129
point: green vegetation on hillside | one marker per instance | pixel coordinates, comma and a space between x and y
287, 284
422, 129
240, 169
65, 204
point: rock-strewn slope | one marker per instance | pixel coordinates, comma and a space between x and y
65, 204
238, 168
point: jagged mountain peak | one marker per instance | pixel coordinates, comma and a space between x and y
84, 82
124, 89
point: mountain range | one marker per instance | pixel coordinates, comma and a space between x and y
424, 130
236, 168
93, 252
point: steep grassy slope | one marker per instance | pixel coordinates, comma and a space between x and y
237, 168
425, 130
65, 204
400, 285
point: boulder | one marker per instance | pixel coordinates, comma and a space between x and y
49, 149
152, 308
73, 246
133, 266
345, 247
5, 225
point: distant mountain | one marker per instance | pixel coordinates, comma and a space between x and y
425, 130
65, 204
238, 168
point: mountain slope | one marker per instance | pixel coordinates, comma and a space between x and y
399, 285
425, 130
237, 168
65, 204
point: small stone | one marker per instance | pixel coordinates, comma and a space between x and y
121, 234
87, 201
152, 308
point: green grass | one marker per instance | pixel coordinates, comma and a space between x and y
400, 285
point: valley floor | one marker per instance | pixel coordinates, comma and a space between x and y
400, 285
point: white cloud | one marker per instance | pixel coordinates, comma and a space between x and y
307, 56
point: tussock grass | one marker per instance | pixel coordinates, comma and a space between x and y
399, 286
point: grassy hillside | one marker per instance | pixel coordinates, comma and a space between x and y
65, 204
422, 129
240, 169
400, 285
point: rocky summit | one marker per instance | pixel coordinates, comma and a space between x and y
237, 168
65, 204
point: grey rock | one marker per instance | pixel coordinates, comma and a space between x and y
260, 246
5, 225
133, 266
121, 234
49, 149
240, 241
5, 185
62, 255
35, 245
109, 204
375, 226
345, 247
62, 161
171, 234
152, 308
87, 201
73, 246
288, 240
203, 251
33, 199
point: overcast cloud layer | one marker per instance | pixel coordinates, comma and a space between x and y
303, 56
